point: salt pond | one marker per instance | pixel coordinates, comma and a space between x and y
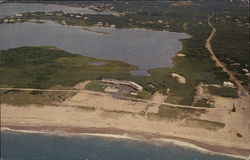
143, 48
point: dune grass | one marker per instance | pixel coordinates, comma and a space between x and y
206, 124
174, 113
224, 91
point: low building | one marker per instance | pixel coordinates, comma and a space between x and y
11, 21
99, 24
48, 14
245, 70
19, 15
131, 84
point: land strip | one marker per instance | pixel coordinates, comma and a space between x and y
99, 93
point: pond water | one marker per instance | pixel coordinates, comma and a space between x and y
7, 9
143, 48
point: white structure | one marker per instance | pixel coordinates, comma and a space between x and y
19, 15
228, 84
63, 22
160, 21
120, 82
99, 24
181, 55
245, 70
5, 20
134, 94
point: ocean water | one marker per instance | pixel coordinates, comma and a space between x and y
36, 146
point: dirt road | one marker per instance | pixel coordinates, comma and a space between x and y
217, 61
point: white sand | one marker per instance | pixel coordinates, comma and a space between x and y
179, 78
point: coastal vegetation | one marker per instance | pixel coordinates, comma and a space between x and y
45, 67
22, 98
187, 116
173, 113
223, 91
170, 113
206, 124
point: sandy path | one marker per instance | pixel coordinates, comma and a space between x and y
82, 85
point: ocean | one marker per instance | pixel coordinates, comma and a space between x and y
39, 146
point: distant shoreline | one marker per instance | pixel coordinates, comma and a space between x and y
132, 135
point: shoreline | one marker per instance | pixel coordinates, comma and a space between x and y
116, 133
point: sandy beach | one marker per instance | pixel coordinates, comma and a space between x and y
77, 120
